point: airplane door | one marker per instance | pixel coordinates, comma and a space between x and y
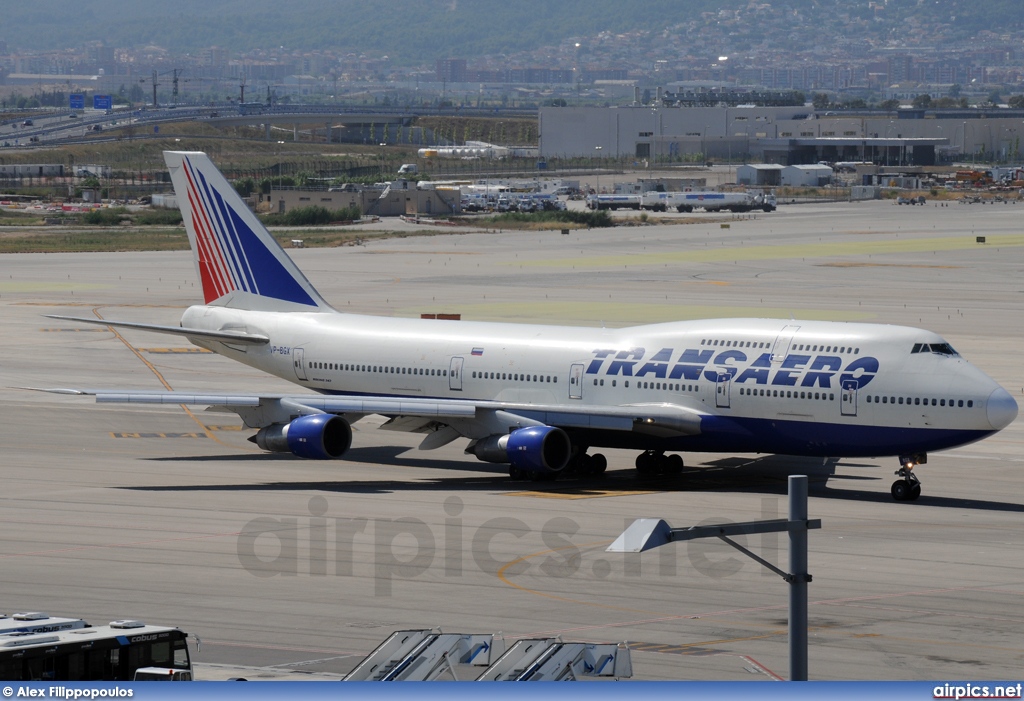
722, 388
782, 342
455, 374
298, 364
576, 381
849, 398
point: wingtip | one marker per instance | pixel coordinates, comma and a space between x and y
54, 390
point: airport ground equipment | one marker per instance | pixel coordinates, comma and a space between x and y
427, 655
550, 659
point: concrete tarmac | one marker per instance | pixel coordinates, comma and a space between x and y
286, 567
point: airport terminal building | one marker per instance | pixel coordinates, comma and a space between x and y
783, 135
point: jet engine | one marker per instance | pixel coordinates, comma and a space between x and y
315, 436
532, 449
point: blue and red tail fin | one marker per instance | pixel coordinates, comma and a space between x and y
240, 264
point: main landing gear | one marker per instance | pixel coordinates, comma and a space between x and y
908, 488
655, 462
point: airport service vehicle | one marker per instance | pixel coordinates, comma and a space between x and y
540, 397
114, 652
614, 201
708, 201
37, 622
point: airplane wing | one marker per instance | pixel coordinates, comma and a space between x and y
423, 415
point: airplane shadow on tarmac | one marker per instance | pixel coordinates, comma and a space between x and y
766, 474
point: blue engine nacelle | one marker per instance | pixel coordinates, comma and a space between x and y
533, 449
316, 436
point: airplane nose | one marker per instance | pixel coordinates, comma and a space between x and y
1001, 409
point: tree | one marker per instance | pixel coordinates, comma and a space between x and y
923, 101
890, 104
1016, 101
136, 93
245, 186
820, 100
994, 98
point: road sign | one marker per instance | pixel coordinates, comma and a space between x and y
102, 102
76, 101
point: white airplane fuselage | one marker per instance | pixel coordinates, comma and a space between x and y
757, 385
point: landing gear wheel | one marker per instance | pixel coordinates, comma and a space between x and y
597, 464
909, 487
655, 462
516, 474
673, 464
648, 463
900, 490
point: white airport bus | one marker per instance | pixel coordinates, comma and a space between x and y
36, 622
121, 651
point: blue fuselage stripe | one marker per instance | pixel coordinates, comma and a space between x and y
736, 434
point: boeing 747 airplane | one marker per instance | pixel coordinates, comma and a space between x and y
540, 397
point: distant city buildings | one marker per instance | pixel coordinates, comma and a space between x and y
865, 51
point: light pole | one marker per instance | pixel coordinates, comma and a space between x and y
597, 150
648, 533
654, 139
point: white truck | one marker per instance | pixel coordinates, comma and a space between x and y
709, 201
615, 201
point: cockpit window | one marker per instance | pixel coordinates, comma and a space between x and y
940, 348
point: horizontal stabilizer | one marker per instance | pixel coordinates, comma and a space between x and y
226, 336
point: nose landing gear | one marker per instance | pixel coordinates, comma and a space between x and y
908, 488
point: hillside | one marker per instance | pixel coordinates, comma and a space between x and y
419, 31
